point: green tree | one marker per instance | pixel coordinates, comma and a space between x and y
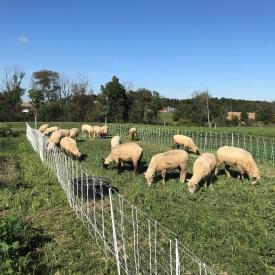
113, 98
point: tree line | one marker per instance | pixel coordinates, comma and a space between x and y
58, 97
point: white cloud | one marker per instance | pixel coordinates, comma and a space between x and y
23, 39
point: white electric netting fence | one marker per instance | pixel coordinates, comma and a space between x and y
138, 244
261, 148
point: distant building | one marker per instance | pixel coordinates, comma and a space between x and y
231, 115
26, 107
168, 109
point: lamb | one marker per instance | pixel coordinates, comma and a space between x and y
187, 143
115, 141
74, 133
43, 127
125, 152
100, 131
133, 133
166, 161
204, 168
64, 132
85, 128
54, 139
244, 161
69, 146
104, 131
48, 131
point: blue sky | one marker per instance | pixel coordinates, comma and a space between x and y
174, 47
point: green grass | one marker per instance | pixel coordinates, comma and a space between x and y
229, 225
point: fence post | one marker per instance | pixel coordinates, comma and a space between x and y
177, 259
114, 232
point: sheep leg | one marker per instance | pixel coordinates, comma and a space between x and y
135, 168
182, 174
163, 173
241, 172
226, 169
118, 166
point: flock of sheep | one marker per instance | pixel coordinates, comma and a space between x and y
204, 167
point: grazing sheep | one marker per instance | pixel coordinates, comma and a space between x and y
64, 132
48, 131
74, 133
54, 139
115, 141
125, 152
104, 131
85, 128
133, 133
244, 161
43, 127
100, 131
69, 146
204, 167
166, 161
187, 143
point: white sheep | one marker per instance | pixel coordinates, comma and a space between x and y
43, 127
125, 152
54, 139
48, 131
69, 146
187, 143
74, 133
104, 131
64, 132
133, 133
244, 161
162, 162
203, 168
85, 128
115, 141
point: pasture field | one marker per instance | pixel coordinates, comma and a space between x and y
229, 225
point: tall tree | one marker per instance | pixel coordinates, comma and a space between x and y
114, 99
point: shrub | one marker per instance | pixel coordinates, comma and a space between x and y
5, 130
18, 241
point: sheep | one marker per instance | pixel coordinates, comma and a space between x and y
204, 167
74, 133
48, 131
244, 161
64, 132
187, 143
43, 127
54, 139
115, 141
125, 152
85, 128
100, 131
104, 131
166, 161
69, 146
133, 133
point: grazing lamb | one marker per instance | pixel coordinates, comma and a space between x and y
74, 133
133, 133
166, 161
244, 161
115, 141
43, 127
69, 146
104, 131
54, 139
64, 132
85, 128
48, 131
204, 167
187, 143
125, 152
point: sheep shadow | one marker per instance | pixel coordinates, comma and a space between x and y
233, 174
92, 187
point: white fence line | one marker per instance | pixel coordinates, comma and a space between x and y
262, 148
138, 244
